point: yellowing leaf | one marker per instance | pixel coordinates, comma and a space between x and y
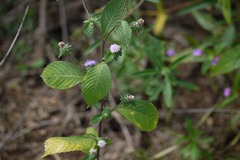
160, 23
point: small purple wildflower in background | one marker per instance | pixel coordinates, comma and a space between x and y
197, 52
215, 60
89, 62
170, 52
101, 143
114, 48
227, 92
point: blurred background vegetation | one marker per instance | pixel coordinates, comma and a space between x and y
197, 95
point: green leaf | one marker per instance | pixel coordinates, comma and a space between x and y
89, 157
206, 21
143, 115
179, 60
92, 131
154, 91
226, 10
96, 119
206, 65
153, 1
96, 83
92, 47
109, 57
190, 127
167, 92
229, 35
154, 57
187, 85
111, 14
198, 6
228, 62
227, 101
56, 145
97, 105
62, 75
88, 29
124, 32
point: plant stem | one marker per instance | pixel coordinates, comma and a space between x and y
86, 8
100, 129
139, 4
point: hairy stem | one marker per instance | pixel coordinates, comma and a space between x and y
100, 129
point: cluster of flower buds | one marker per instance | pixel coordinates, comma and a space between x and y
126, 98
130, 97
137, 25
64, 49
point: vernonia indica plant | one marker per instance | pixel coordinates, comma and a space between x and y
96, 82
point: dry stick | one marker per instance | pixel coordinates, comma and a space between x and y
13, 42
86, 8
63, 21
20, 120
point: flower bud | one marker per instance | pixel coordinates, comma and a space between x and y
140, 22
61, 44
130, 97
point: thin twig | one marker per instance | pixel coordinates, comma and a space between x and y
139, 4
86, 8
13, 42
63, 21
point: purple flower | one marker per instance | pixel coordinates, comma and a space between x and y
101, 143
227, 92
197, 52
114, 48
89, 62
215, 60
170, 52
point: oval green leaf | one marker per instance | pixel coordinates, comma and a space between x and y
142, 114
96, 84
111, 15
56, 145
62, 75
124, 32
92, 131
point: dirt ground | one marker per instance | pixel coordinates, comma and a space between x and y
31, 112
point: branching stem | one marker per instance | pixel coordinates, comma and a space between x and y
139, 4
